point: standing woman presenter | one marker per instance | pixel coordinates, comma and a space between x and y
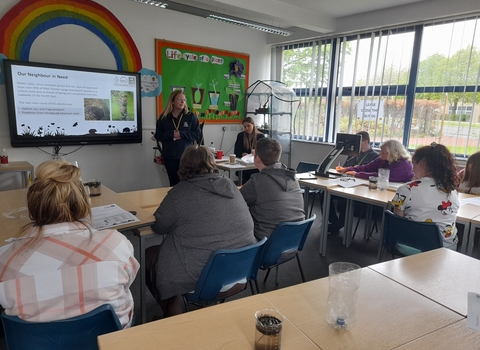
177, 128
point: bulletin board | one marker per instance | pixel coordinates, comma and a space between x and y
214, 81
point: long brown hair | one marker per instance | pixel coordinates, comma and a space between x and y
472, 171
56, 195
247, 143
169, 106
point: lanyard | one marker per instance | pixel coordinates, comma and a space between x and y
176, 126
361, 160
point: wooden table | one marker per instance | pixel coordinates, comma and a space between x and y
226, 326
234, 167
388, 314
322, 184
147, 199
14, 214
22, 167
441, 275
454, 336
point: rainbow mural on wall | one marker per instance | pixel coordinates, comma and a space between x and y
30, 18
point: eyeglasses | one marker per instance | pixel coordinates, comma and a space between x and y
180, 99
347, 178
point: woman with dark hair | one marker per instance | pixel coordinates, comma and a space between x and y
177, 128
204, 212
432, 196
470, 176
60, 266
246, 143
247, 139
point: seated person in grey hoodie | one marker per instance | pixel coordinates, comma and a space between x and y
273, 195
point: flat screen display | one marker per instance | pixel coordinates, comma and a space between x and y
55, 105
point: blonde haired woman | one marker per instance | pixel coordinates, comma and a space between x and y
393, 156
177, 128
59, 266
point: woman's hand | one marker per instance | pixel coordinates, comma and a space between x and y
244, 154
341, 169
351, 173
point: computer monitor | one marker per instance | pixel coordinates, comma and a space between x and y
347, 144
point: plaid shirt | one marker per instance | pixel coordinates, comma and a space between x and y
69, 271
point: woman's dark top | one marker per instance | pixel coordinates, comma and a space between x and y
240, 147
189, 130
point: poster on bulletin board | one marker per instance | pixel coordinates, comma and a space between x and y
214, 81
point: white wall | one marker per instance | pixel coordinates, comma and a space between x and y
130, 167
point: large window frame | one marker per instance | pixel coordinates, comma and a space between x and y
329, 94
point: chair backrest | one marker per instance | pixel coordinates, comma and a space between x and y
284, 243
304, 167
78, 332
401, 232
226, 268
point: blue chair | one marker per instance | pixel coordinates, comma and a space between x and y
283, 245
304, 167
227, 272
78, 332
402, 237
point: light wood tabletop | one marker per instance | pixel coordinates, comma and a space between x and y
226, 326
441, 275
147, 199
388, 314
455, 336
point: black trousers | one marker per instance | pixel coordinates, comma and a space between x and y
172, 166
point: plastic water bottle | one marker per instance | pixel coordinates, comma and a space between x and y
342, 307
212, 147
4, 158
344, 281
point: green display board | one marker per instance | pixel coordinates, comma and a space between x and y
213, 81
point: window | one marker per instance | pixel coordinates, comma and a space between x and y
416, 84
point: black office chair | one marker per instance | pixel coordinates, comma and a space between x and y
402, 237
304, 167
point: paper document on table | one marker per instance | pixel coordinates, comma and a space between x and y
111, 215
348, 182
473, 200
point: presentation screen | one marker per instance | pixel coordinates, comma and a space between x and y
55, 105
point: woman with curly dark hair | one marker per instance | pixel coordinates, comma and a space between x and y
432, 196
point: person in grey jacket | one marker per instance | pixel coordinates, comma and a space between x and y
204, 212
273, 195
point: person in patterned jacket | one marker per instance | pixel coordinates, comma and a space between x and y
59, 266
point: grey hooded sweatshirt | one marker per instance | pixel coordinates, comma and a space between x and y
198, 216
273, 196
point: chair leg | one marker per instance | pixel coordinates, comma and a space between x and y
256, 286
185, 302
276, 275
381, 254
313, 203
266, 276
356, 227
251, 287
300, 267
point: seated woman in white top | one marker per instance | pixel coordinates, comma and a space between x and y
432, 196
59, 266
470, 176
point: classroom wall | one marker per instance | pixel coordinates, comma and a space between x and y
130, 167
